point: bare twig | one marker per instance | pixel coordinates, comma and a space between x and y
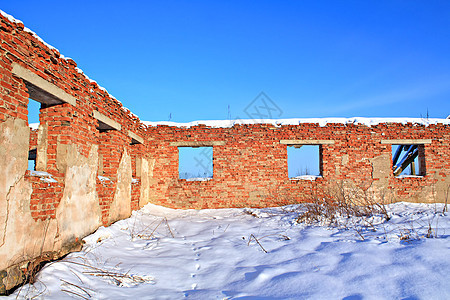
446, 200
167, 223
151, 234
256, 240
77, 286
76, 294
76, 276
360, 234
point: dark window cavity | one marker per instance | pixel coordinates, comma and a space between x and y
408, 160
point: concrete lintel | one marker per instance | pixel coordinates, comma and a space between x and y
407, 142
135, 137
106, 120
307, 142
40, 89
197, 144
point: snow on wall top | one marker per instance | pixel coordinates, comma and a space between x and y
26, 29
321, 121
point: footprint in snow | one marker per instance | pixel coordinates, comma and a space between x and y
150, 245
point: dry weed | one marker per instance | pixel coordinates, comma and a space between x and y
342, 204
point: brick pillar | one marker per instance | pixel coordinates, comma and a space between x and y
111, 148
136, 152
59, 131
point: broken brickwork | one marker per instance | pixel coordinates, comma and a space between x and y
95, 161
83, 133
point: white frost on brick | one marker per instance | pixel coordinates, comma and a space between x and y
103, 178
409, 176
296, 121
33, 126
199, 179
306, 177
46, 177
129, 112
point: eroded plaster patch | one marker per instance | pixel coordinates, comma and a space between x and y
42, 145
22, 237
14, 134
79, 212
146, 169
121, 206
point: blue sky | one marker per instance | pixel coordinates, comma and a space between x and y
191, 60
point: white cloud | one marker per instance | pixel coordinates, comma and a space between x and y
404, 94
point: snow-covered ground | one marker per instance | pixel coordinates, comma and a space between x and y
161, 253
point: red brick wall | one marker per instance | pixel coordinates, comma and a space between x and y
110, 152
251, 168
135, 194
105, 191
67, 124
33, 139
45, 197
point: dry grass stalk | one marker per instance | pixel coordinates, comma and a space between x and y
142, 233
77, 287
342, 203
256, 240
348, 207
76, 294
447, 192
118, 278
249, 212
168, 227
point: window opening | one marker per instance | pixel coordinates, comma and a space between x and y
33, 122
195, 163
32, 160
304, 161
408, 160
33, 112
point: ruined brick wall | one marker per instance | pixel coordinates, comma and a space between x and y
83, 133
96, 161
251, 167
